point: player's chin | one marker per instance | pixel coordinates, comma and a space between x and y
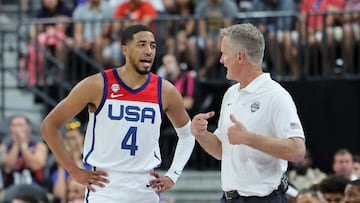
146, 70
143, 70
146, 67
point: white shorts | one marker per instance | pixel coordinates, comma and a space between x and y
124, 188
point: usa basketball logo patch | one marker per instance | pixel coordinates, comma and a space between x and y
255, 106
115, 88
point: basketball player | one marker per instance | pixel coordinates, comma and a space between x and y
125, 111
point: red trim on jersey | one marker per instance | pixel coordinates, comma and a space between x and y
148, 93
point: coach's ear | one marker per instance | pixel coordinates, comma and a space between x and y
241, 56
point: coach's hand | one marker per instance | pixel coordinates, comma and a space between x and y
161, 183
237, 134
90, 178
200, 122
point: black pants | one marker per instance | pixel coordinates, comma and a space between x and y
274, 197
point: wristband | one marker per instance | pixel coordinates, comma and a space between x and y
183, 151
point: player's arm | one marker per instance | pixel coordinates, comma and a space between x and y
174, 108
86, 92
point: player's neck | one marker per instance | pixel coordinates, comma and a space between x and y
131, 78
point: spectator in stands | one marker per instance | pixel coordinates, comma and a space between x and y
79, 2
352, 192
54, 36
24, 199
351, 34
25, 158
309, 196
182, 79
51, 33
127, 13
25, 191
73, 139
46, 35
92, 29
302, 176
212, 15
311, 28
333, 188
133, 12
25, 8
161, 6
356, 170
182, 32
2, 157
75, 192
277, 31
343, 164
244, 5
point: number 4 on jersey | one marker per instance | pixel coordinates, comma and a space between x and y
130, 137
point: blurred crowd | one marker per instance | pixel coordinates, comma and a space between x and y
29, 172
311, 185
306, 33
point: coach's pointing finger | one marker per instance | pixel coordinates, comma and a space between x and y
199, 123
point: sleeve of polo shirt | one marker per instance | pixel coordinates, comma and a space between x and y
217, 131
285, 119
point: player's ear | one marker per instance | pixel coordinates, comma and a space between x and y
124, 49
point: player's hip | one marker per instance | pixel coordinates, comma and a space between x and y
124, 187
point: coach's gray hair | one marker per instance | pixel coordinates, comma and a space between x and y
248, 38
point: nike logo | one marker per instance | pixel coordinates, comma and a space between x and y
112, 95
177, 173
229, 104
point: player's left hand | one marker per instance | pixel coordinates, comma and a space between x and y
161, 183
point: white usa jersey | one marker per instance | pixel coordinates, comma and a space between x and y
123, 133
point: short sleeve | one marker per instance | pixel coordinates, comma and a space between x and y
285, 119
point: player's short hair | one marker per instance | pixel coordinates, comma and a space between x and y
128, 34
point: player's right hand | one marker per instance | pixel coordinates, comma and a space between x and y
90, 178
